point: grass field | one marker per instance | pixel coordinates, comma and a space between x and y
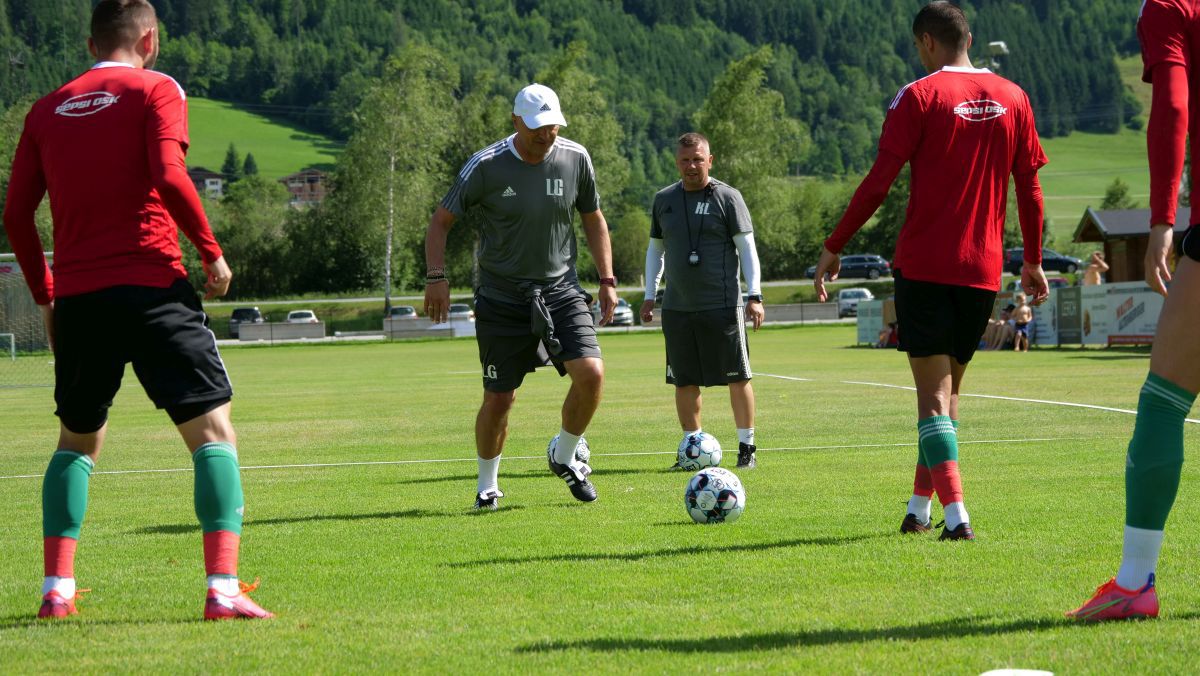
279, 148
382, 567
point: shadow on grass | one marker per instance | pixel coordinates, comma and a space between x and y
953, 629
673, 551
178, 528
29, 620
531, 474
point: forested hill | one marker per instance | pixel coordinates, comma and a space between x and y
835, 61
413, 87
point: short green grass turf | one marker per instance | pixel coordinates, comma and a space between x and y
383, 567
279, 148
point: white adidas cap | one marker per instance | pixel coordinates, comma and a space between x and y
538, 106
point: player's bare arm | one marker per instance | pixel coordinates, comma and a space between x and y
437, 285
1031, 212
595, 228
867, 198
829, 264
48, 321
218, 277
1158, 255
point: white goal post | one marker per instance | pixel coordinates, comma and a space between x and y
25, 357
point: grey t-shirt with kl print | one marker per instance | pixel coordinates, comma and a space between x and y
703, 221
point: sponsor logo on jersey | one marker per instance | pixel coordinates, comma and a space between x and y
86, 104
509, 192
701, 208
554, 187
980, 110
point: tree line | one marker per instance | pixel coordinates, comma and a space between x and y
792, 92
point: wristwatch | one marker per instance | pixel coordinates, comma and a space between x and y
608, 281
754, 297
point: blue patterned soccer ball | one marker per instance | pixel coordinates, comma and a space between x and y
583, 452
714, 495
698, 451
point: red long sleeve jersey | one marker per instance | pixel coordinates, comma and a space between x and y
963, 131
109, 149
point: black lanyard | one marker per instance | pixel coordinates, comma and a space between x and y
694, 254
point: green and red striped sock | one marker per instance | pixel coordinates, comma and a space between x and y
938, 441
219, 506
64, 503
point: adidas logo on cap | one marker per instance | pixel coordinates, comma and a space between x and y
538, 105
509, 192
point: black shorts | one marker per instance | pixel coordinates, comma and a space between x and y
163, 332
941, 318
706, 348
509, 349
1188, 244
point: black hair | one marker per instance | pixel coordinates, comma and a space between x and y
945, 22
119, 23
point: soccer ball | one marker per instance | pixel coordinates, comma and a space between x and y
583, 452
698, 451
714, 495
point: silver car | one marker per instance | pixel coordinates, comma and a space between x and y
622, 313
848, 300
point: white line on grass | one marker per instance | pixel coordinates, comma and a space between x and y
977, 396
435, 461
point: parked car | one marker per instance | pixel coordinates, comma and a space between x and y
1053, 282
869, 266
243, 315
622, 313
460, 311
848, 299
403, 312
302, 317
1052, 261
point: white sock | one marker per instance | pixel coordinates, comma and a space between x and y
226, 585
746, 435
691, 432
489, 473
564, 452
65, 586
1140, 557
920, 506
955, 515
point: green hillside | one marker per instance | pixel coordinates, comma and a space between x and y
1082, 165
279, 148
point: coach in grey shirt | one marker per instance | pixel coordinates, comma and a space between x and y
701, 232
530, 309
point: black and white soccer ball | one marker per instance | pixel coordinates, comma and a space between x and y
583, 452
698, 451
714, 495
